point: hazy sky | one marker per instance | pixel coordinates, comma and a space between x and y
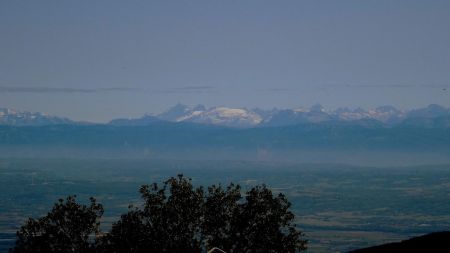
96, 60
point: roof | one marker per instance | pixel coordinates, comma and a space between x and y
216, 250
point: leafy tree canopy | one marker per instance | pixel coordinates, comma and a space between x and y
69, 227
174, 217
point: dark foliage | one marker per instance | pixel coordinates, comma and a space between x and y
168, 222
69, 227
175, 217
261, 223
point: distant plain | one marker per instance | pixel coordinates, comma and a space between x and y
339, 207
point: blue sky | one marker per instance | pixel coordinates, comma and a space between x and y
97, 60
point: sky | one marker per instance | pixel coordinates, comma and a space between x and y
98, 60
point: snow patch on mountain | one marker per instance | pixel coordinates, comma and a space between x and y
236, 117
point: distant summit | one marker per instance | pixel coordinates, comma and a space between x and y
176, 112
224, 116
431, 111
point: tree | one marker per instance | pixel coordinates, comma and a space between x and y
180, 218
261, 223
174, 217
168, 222
69, 227
221, 216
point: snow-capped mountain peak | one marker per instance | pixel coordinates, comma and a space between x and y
226, 116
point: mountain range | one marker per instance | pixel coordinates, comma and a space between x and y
21, 118
430, 116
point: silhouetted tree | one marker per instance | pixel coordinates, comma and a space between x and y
169, 221
180, 218
261, 223
129, 234
221, 216
175, 217
69, 227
